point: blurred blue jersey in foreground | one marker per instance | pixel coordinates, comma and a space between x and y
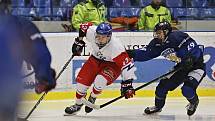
20, 40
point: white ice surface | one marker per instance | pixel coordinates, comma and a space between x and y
122, 110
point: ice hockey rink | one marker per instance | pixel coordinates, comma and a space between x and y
122, 110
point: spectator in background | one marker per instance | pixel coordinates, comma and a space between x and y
153, 14
90, 11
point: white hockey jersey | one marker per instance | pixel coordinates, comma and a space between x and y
113, 51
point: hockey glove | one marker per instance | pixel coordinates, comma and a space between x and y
186, 64
78, 46
42, 84
127, 89
131, 53
83, 29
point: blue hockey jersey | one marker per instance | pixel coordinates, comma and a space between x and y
20, 40
177, 47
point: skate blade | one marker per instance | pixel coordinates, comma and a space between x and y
69, 114
156, 113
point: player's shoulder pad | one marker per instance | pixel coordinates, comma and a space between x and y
29, 28
154, 41
177, 34
117, 45
26, 24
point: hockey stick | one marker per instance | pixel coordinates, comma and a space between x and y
41, 98
89, 104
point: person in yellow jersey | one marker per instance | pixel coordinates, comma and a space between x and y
153, 14
90, 11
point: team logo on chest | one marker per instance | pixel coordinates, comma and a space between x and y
100, 55
170, 54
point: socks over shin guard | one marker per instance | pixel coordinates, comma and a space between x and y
194, 99
159, 102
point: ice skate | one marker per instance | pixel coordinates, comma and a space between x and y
191, 108
150, 110
72, 110
92, 100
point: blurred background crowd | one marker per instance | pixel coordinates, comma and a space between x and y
124, 15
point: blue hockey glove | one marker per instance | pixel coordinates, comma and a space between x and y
186, 64
77, 47
43, 84
131, 53
127, 89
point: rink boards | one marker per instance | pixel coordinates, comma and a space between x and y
60, 46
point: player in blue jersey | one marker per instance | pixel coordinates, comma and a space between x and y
20, 40
179, 47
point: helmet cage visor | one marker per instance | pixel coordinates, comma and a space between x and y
160, 35
102, 39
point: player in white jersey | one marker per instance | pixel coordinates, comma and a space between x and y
107, 61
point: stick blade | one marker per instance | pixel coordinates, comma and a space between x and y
89, 104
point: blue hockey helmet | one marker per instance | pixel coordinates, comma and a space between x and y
104, 29
103, 34
165, 27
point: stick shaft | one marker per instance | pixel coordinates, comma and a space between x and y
138, 88
35, 106
41, 98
